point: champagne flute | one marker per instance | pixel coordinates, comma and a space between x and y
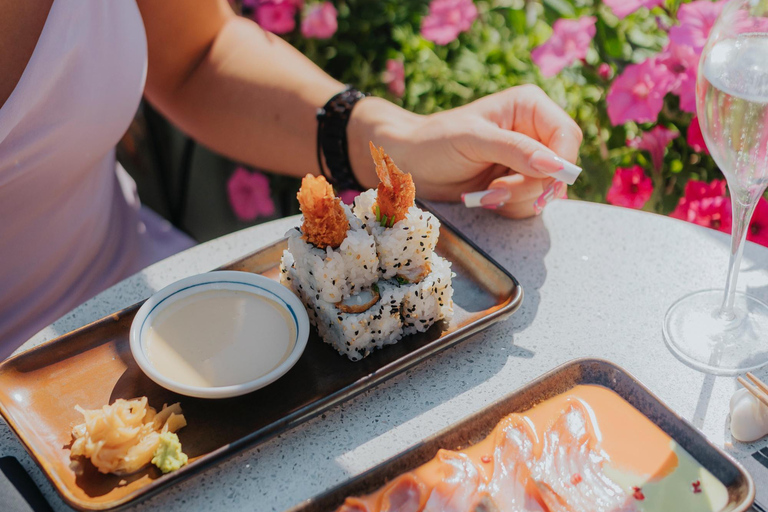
718, 331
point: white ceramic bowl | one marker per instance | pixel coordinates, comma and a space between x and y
220, 280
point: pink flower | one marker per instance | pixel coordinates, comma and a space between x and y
682, 62
394, 77
758, 228
638, 93
744, 23
655, 142
604, 71
569, 43
705, 204
695, 139
623, 8
447, 19
278, 16
348, 196
631, 188
320, 21
249, 195
696, 20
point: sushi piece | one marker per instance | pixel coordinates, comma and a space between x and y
405, 234
355, 335
429, 300
332, 255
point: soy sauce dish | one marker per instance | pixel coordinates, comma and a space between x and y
219, 334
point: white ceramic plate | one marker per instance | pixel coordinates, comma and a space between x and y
221, 280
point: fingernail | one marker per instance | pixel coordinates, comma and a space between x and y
561, 190
491, 198
549, 194
558, 168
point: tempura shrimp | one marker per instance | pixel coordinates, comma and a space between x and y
325, 223
396, 192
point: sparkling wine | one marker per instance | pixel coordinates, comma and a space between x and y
732, 96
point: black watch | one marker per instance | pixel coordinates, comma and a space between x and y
332, 120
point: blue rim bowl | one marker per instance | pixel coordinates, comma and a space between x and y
219, 280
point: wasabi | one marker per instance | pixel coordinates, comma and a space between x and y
168, 456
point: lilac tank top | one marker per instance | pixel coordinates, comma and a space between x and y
70, 222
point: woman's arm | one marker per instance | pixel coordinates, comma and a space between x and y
235, 88
251, 96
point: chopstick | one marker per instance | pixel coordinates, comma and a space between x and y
760, 391
760, 384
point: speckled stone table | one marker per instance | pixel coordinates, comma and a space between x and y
597, 282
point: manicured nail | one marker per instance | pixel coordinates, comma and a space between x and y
491, 198
550, 193
558, 168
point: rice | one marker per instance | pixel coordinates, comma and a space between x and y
430, 300
335, 274
406, 248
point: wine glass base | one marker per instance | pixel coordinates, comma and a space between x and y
700, 337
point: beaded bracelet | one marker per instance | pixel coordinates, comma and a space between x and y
332, 120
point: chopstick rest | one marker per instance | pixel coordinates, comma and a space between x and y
749, 410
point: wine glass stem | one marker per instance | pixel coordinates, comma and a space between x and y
741, 217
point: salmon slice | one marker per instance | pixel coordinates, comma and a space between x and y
456, 491
406, 493
569, 473
353, 505
513, 450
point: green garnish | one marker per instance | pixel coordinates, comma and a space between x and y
168, 455
402, 280
375, 287
384, 220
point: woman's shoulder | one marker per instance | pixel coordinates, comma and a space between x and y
20, 27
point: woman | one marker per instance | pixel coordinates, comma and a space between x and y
72, 73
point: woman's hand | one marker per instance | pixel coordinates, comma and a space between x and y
505, 141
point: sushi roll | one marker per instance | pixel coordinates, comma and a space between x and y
333, 256
405, 234
367, 276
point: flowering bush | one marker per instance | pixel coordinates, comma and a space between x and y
625, 70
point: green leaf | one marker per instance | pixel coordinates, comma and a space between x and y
561, 7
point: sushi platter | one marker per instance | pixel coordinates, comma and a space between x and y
92, 366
